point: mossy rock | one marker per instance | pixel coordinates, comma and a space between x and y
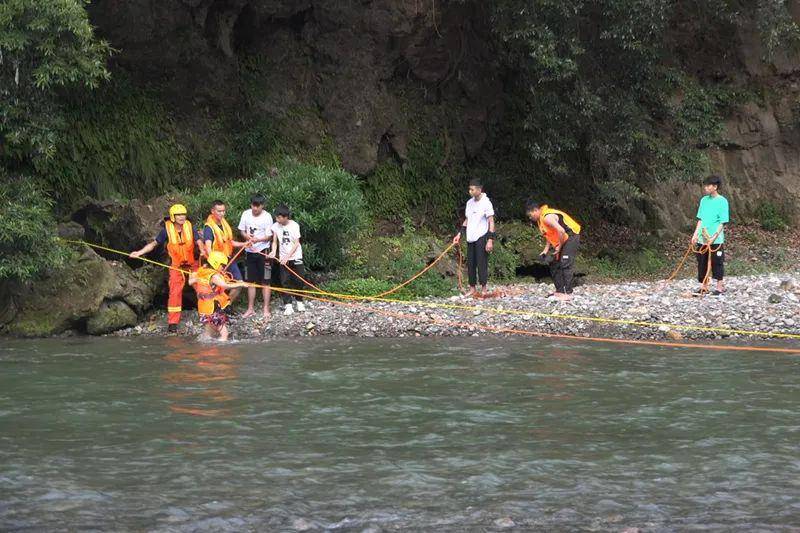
111, 316
70, 298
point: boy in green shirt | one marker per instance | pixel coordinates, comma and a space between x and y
712, 215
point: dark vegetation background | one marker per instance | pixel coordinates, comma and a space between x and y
369, 117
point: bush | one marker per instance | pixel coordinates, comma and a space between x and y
326, 202
28, 243
771, 218
396, 259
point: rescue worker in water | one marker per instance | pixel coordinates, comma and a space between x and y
179, 238
210, 283
562, 235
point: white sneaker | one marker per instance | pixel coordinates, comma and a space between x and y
288, 310
300, 307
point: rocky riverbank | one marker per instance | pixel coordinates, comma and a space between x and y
766, 303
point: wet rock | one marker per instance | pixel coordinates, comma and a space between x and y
111, 316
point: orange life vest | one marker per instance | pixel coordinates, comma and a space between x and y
550, 233
223, 236
180, 244
208, 294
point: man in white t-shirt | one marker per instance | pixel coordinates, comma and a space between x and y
256, 227
286, 243
478, 228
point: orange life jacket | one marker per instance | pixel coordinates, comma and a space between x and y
223, 236
550, 233
208, 294
180, 244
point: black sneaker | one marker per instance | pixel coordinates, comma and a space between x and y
172, 328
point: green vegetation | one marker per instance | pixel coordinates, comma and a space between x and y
396, 259
45, 49
122, 144
28, 241
646, 263
327, 203
422, 188
771, 218
600, 95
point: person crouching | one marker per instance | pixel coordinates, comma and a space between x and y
562, 235
210, 284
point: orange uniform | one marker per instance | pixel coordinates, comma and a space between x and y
180, 247
550, 233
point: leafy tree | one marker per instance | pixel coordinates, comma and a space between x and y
28, 240
46, 46
603, 90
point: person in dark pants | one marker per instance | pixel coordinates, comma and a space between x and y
712, 216
478, 228
562, 235
286, 244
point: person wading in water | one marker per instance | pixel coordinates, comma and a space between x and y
210, 283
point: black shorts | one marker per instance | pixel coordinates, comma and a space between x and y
258, 269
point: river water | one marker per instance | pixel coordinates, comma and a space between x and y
385, 435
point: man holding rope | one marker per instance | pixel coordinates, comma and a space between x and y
712, 215
218, 237
478, 228
255, 226
178, 236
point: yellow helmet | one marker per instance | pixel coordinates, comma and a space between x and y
217, 259
177, 209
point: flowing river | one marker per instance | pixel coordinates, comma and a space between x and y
384, 435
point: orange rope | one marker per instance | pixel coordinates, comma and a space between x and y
382, 294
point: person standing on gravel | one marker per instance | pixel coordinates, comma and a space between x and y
712, 215
255, 226
478, 228
562, 234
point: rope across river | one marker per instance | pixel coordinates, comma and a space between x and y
318, 294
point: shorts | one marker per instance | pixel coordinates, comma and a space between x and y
233, 270
217, 319
258, 269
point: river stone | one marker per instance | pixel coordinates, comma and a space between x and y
110, 317
774, 299
674, 335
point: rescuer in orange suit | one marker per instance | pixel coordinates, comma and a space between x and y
179, 238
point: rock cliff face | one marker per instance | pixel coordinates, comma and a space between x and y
339, 68
360, 72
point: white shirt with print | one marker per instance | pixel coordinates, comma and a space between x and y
478, 213
286, 236
259, 227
